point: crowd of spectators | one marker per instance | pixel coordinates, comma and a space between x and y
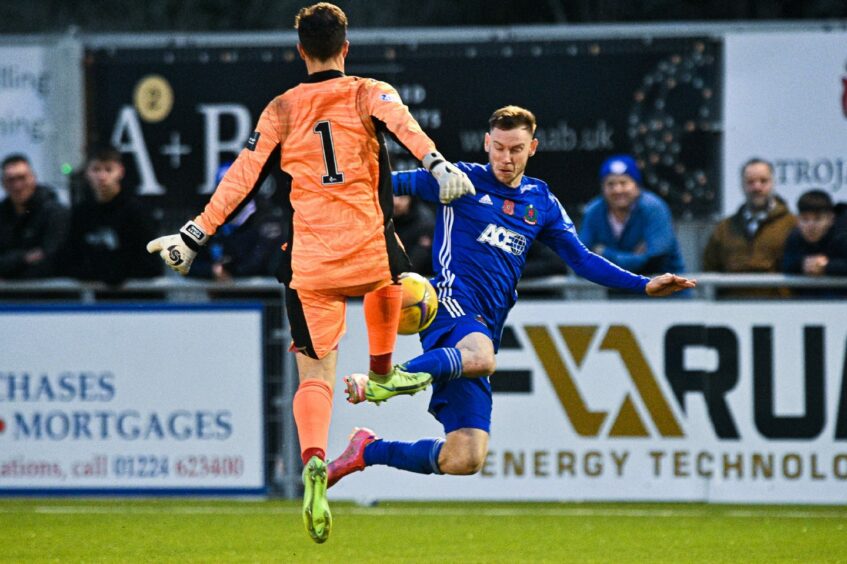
632, 227
102, 238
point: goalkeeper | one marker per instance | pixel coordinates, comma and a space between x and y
479, 251
326, 135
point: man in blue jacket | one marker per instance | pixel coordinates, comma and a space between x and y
628, 225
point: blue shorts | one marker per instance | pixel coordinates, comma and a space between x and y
463, 402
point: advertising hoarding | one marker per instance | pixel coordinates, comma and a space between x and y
131, 399
662, 401
25, 120
786, 101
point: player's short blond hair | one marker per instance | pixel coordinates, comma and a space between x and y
511, 117
322, 30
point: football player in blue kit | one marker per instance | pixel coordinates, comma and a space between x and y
479, 252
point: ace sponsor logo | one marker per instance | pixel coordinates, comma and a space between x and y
504, 239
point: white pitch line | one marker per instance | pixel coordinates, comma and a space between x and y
434, 511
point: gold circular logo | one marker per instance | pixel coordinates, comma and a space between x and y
153, 98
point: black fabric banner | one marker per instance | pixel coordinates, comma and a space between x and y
180, 113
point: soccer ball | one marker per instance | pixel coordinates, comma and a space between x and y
419, 304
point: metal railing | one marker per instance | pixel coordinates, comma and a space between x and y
174, 289
709, 285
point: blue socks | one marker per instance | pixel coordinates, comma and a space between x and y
420, 457
444, 364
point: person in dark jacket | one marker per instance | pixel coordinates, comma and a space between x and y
817, 246
109, 232
33, 224
752, 239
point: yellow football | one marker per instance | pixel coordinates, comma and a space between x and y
420, 304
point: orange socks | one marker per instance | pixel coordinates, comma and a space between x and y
382, 316
312, 414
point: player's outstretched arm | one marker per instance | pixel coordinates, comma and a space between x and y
667, 284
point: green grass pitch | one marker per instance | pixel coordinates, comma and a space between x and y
176, 530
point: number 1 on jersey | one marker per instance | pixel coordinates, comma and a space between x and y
332, 176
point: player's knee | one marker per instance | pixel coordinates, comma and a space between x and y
463, 467
486, 365
480, 365
475, 462
464, 464
489, 364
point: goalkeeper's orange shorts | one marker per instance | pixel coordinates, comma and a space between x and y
318, 318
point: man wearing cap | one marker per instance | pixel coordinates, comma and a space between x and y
629, 225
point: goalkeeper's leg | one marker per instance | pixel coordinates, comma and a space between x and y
382, 316
315, 342
312, 413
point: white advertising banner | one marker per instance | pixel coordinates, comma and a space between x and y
741, 402
131, 399
25, 86
785, 100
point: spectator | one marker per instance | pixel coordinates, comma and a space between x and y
110, 230
247, 245
33, 224
752, 240
414, 222
629, 225
816, 247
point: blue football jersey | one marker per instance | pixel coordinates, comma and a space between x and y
481, 242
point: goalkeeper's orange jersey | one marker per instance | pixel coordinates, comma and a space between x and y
325, 133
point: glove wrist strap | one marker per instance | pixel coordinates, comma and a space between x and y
193, 236
432, 159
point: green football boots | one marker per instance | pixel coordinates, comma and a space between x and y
316, 515
375, 388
